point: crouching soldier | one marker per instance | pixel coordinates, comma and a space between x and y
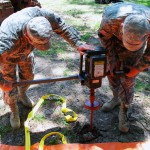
20, 33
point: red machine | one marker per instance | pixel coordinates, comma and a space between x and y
91, 76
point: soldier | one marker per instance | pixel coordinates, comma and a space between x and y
20, 33
124, 32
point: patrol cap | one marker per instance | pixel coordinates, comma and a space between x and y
39, 32
135, 32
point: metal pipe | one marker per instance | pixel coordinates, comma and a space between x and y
92, 105
48, 80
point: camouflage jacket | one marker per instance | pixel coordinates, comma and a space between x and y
12, 41
110, 34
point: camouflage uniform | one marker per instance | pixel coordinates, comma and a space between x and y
18, 51
110, 34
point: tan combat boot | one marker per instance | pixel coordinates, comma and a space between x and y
108, 106
123, 119
14, 116
26, 101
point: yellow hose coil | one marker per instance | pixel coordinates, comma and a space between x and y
68, 118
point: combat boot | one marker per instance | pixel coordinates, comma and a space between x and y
26, 101
14, 116
110, 105
123, 119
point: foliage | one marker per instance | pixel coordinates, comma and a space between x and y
81, 2
74, 12
143, 2
56, 48
86, 36
142, 84
4, 129
39, 117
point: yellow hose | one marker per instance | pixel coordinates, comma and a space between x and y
68, 118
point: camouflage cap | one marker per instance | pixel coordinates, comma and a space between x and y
135, 32
39, 32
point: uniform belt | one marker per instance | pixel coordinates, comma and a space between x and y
17, 59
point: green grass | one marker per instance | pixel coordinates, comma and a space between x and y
4, 129
141, 86
54, 99
71, 136
86, 36
54, 51
49, 53
74, 12
143, 82
81, 2
143, 2
67, 72
39, 117
60, 120
46, 102
53, 140
57, 46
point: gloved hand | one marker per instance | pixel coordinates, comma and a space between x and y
133, 72
6, 86
84, 47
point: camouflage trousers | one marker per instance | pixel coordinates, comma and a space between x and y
122, 88
22, 70
119, 58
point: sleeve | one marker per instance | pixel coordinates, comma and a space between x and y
2, 81
6, 42
108, 40
105, 34
144, 62
69, 33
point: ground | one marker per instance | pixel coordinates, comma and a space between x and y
49, 117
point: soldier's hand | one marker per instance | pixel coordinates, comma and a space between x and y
133, 72
84, 47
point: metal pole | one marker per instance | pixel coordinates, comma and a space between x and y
48, 80
92, 105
